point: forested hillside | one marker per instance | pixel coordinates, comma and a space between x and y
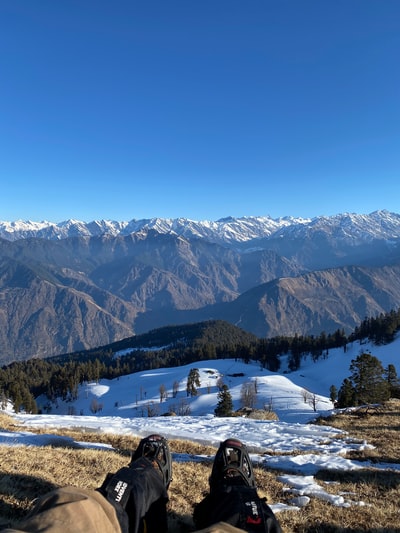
22, 382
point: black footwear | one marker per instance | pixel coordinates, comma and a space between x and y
232, 466
156, 449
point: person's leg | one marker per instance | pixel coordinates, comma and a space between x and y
70, 509
129, 500
140, 490
233, 496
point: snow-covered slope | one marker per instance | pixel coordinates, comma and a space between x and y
133, 395
299, 449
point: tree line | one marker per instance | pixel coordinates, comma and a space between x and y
59, 377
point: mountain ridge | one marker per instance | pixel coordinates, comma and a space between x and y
59, 295
378, 224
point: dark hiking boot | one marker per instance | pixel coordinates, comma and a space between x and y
232, 466
155, 448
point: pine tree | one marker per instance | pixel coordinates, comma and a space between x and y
193, 381
393, 381
333, 393
346, 395
370, 385
225, 405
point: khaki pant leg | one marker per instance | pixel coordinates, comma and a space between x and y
70, 509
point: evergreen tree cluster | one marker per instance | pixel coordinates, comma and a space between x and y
379, 330
21, 382
369, 383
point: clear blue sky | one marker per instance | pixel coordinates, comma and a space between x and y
198, 108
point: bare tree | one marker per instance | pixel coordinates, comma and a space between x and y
248, 395
175, 389
95, 406
152, 409
183, 408
163, 392
305, 394
269, 406
255, 385
313, 400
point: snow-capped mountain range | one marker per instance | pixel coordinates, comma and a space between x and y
356, 228
76, 285
224, 230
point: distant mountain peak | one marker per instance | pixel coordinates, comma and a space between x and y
228, 230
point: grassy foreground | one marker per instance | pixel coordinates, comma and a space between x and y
28, 472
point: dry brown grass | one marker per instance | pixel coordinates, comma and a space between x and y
8, 423
27, 472
379, 427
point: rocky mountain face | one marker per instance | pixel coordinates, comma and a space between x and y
73, 286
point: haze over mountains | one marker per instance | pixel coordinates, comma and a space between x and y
76, 285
